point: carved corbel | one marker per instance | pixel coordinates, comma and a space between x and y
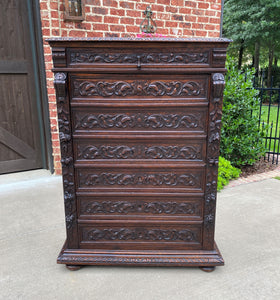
218, 85
60, 86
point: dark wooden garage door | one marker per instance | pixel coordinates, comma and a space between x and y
20, 140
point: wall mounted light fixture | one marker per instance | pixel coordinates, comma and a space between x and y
74, 10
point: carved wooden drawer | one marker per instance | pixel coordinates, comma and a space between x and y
116, 147
141, 177
139, 87
160, 237
139, 129
138, 58
138, 119
159, 207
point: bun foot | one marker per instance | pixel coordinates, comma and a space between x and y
73, 267
207, 269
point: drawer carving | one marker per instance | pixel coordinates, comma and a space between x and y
139, 179
140, 207
139, 152
139, 127
87, 88
139, 120
101, 57
139, 234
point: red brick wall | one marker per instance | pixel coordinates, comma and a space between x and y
177, 18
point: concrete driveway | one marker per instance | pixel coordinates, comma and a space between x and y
32, 233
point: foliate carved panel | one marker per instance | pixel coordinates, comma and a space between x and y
96, 57
89, 88
139, 179
139, 234
140, 207
86, 152
194, 120
66, 152
215, 114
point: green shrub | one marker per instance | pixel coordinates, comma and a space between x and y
226, 172
241, 139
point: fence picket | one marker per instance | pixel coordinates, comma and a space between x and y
272, 132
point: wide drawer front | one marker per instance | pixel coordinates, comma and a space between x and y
132, 87
163, 207
141, 177
146, 236
133, 148
138, 57
187, 119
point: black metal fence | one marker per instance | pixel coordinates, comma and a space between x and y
269, 118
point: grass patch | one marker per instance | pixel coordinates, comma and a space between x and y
269, 125
277, 177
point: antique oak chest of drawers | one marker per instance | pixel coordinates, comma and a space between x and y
139, 126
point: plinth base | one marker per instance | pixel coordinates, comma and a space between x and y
206, 259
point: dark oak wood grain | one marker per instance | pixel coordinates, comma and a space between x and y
140, 148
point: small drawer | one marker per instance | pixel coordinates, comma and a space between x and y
131, 236
164, 207
139, 58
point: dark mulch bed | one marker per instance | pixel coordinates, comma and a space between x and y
258, 167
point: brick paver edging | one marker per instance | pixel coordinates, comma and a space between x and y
254, 178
